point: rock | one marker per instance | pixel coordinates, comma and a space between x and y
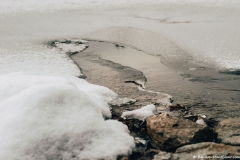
119, 105
177, 114
191, 117
204, 150
228, 131
174, 107
211, 122
118, 102
140, 141
155, 150
168, 133
141, 144
160, 109
163, 156
135, 125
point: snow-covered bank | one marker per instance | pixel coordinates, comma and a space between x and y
50, 117
36, 59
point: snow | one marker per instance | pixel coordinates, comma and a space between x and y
141, 113
52, 117
36, 59
201, 122
73, 46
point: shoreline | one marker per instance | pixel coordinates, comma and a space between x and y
198, 88
98, 70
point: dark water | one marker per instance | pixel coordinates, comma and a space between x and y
198, 86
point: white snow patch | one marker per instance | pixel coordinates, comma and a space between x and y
51, 117
73, 46
37, 60
202, 115
141, 113
201, 122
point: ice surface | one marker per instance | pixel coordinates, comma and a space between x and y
54, 5
50, 117
141, 113
205, 29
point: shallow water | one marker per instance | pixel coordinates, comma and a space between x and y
197, 85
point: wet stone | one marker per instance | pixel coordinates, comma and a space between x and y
168, 133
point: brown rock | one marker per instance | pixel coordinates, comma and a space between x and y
174, 107
204, 150
135, 125
168, 133
155, 150
228, 131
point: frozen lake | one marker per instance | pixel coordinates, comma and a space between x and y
185, 36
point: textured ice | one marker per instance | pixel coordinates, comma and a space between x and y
54, 5
50, 117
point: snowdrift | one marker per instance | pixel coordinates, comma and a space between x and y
50, 117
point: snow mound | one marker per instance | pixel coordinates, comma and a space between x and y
141, 113
51, 117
